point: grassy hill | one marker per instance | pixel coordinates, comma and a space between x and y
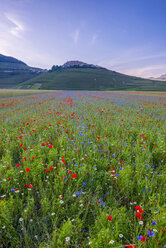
90, 78
13, 72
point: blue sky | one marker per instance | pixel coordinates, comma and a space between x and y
123, 35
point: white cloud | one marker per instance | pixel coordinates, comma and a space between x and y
17, 27
75, 36
147, 71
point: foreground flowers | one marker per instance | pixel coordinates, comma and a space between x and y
87, 170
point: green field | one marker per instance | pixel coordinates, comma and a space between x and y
83, 169
13, 92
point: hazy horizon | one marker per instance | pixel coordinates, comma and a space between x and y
127, 37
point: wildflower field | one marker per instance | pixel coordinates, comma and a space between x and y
83, 169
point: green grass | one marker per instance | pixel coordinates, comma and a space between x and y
75, 166
16, 92
9, 80
13, 72
91, 79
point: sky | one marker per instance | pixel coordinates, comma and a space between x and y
127, 36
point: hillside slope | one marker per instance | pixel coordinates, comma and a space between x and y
89, 78
14, 71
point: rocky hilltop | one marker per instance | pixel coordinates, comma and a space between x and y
77, 63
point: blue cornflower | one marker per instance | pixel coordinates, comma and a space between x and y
139, 237
151, 233
154, 223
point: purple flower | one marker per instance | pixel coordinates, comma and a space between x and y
151, 233
139, 237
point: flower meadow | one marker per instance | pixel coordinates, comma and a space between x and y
83, 169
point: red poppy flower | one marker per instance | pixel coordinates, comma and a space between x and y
98, 137
138, 208
30, 186
74, 176
27, 170
17, 165
9, 179
139, 216
143, 239
109, 217
70, 171
63, 160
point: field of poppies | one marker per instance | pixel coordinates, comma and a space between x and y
83, 169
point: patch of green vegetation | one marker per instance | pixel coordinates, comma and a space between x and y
4, 93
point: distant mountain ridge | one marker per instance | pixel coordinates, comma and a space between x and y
160, 78
72, 75
8, 59
14, 71
75, 64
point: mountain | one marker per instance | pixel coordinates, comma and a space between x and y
14, 71
161, 78
78, 64
77, 75
8, 59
